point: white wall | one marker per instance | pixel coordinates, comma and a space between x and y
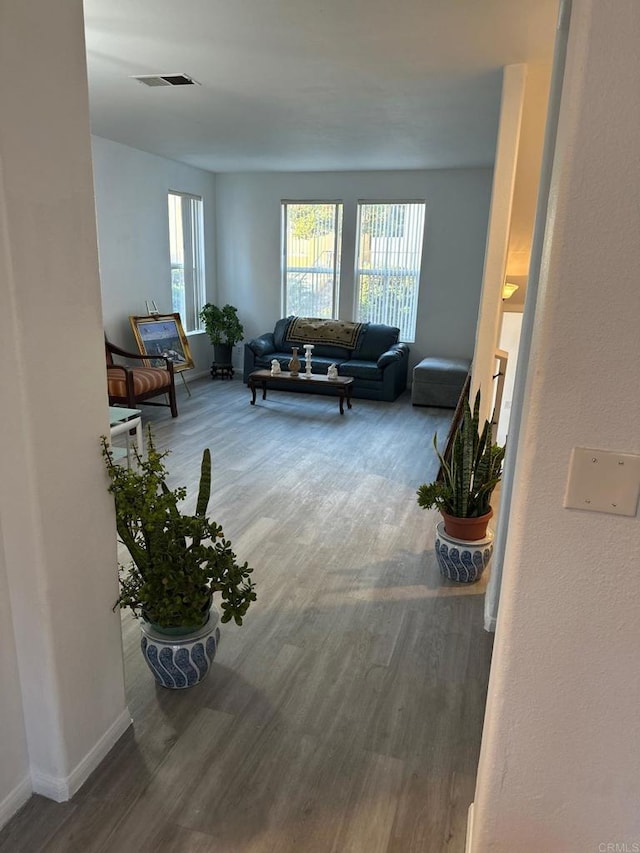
457, 204
58, 531
509, 342
525, 193
495, 260
15, 783
523, 115
131, 189
561, 743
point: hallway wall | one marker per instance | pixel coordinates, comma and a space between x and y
560, 755
58, 553
15, 783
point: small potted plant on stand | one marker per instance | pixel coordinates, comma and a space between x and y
224, 330
178, 562
462, 494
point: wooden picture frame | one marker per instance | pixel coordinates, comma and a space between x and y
162, 335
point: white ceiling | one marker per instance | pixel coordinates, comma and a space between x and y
295, 85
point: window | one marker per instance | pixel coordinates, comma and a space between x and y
186, 246
311, 238
389, 251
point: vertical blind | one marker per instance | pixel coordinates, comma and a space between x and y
389, 254
186, 247
312, 234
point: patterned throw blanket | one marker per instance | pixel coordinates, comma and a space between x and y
311, 330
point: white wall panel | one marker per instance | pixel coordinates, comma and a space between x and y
560, 751
58, 531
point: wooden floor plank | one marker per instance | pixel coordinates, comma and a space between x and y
371, 812
171, 785
345, 714
34, 825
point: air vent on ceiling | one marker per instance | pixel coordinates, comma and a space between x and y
166, 79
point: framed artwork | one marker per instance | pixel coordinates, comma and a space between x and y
162, 334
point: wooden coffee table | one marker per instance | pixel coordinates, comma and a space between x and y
342, 384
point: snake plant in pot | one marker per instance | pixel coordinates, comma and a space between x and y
462, 493
178, 562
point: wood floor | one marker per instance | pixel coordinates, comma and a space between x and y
345, 715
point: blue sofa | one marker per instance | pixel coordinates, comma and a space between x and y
370, 352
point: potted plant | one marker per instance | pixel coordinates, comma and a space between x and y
178, 562
462, 494
224, 330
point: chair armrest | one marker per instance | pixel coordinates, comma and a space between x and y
136, 355
397, 352
119, 351
263, 345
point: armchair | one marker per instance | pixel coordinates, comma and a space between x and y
133, 385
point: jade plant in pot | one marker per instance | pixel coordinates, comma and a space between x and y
462, 493
224, 329
178, 562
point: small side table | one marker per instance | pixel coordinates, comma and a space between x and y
122, 421
224, 371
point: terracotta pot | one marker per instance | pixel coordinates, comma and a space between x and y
466, 529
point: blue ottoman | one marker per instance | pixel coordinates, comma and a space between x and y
439, 381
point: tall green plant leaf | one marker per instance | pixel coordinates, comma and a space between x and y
204, 491
472, 471
467, 438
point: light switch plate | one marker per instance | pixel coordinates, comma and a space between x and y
603, 481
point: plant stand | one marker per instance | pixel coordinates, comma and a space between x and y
223, 371
461, 561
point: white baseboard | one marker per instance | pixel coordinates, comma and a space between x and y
467, 846
52, 787
62, 788
15, 800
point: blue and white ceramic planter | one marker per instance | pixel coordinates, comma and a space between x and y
459, 560
178, 662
